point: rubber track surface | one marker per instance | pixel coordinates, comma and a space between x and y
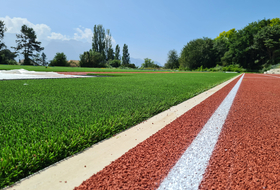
247, 154
146, 165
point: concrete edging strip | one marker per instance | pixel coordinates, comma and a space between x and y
72, 171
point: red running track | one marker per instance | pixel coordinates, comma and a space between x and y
246, 155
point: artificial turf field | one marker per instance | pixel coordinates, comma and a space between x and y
44, 121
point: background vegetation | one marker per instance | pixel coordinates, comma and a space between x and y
253, 48
81, 69
256, 47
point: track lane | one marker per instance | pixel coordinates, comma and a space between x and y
247, 155
146, 165
188, 171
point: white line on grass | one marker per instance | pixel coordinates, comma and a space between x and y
188, 171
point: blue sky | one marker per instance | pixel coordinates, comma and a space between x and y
150, 28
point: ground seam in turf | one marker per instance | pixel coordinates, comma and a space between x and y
188, 171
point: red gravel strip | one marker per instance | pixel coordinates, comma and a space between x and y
247, 155
146, 165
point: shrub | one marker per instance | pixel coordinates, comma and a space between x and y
59, 60
234, 68
91, 58
12, 62
114, 63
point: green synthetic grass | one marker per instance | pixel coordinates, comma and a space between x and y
44, 121
74, 69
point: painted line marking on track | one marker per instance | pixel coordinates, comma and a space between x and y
188, 171
271, 76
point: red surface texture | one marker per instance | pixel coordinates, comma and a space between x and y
146, 165
247, 155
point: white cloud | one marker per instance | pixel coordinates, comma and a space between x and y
85, 34
44, 32
57, 36
13, 25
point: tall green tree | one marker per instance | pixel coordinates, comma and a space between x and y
221, 44
44, 59
91, 58
125, 57
274, 21
59, 60
26, 42
111, 54
117, 52
2, 30
40, 59
240, 51
197, 53
148, 63
172, 60
98, 40
95, 45
267, 43
226, 35
6, 56
108, 46
36, 59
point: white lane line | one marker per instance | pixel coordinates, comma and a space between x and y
271, 76
188, 171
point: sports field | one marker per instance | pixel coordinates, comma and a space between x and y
44, 121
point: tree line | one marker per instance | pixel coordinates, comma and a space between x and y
254, 47
101, 55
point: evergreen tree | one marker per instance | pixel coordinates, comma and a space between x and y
2, 30
173, 60
95, 36
26, 41
125, 57
111, 54
117, 52
44, 62
98, 41
36, 59
108, 46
